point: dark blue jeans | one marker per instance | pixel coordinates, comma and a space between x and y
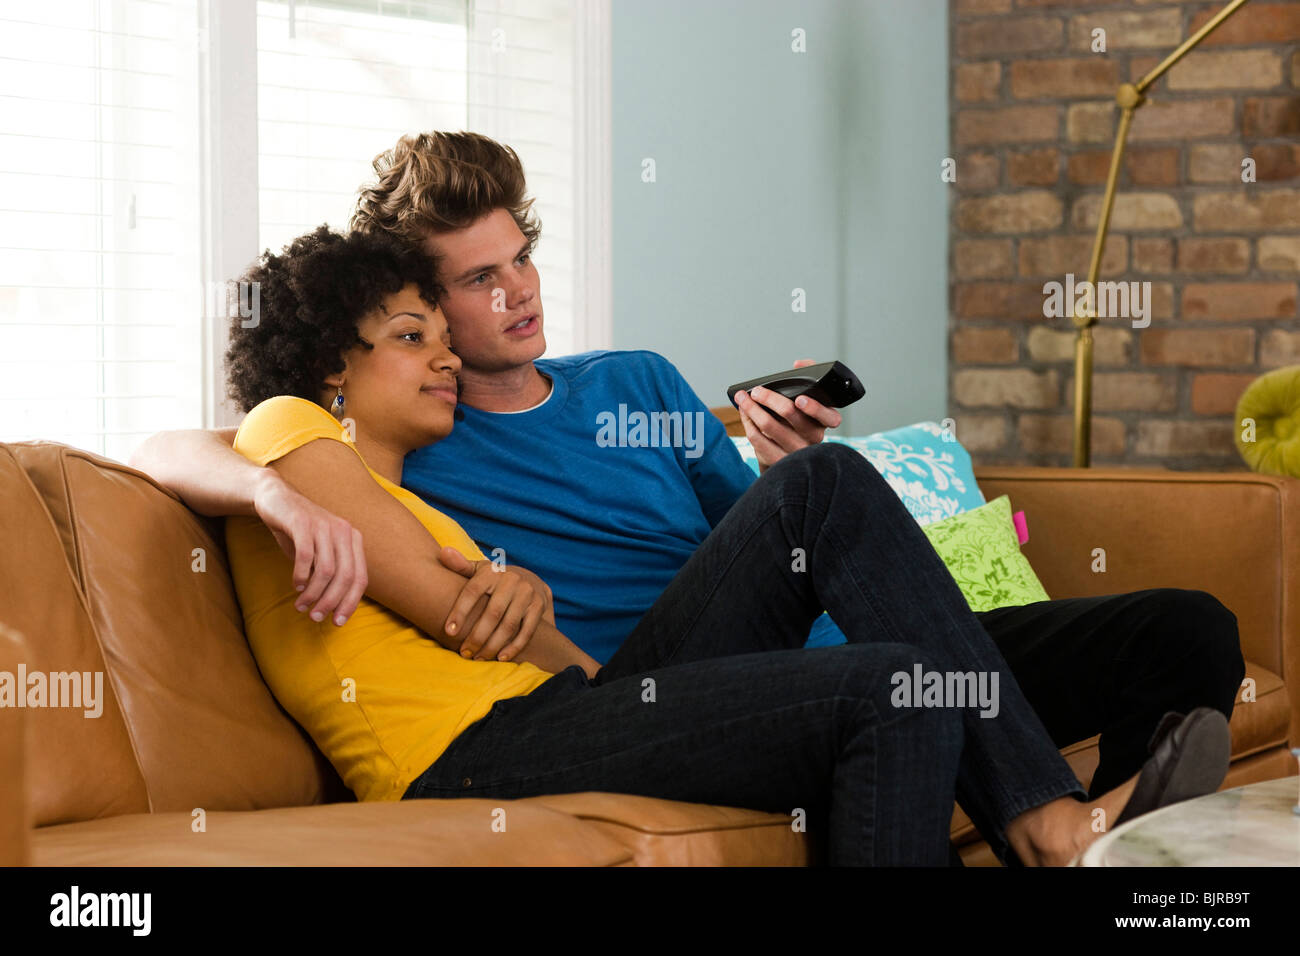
712, 699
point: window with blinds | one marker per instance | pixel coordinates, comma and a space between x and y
128, 153
338, 82
521, 92
98, 220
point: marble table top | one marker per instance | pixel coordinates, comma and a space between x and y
1254, 825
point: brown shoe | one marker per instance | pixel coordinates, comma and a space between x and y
1189, 758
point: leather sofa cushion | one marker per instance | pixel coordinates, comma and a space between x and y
407, 833
1262, 723
204, 729
77, 767
673, 833
15, 822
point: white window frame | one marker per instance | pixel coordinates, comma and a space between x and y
227, 40
593, 314
228, 204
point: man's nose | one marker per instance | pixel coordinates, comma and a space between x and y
518, 289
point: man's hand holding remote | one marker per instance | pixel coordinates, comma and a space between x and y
777, 426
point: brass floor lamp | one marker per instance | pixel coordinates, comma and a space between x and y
1084, 314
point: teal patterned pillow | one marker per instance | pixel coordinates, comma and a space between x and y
982, 551
927, 468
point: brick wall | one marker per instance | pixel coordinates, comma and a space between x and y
1032, 127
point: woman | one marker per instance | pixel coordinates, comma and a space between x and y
438, 686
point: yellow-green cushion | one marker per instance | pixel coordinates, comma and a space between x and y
1272, 401
982, 551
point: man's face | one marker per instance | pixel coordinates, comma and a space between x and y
493, 304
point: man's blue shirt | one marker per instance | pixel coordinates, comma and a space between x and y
604, 490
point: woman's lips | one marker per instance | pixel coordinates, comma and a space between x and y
446, 394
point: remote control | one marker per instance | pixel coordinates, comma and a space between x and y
831, 383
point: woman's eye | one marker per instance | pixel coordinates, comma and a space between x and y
407, 335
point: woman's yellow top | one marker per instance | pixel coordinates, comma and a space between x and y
381, 699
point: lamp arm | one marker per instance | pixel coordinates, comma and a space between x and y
1188, 44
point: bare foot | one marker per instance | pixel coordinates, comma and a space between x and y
1057, 832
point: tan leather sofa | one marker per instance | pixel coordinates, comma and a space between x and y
192, 762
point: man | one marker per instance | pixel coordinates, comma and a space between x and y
544, 471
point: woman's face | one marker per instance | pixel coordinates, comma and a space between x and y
403, 391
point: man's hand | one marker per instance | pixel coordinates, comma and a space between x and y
329, 563
516, 600
805, 421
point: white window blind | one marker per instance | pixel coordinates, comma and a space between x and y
99, 288
521, 92
339, 82
150, 148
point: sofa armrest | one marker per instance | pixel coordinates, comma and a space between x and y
1235, 535
15, 825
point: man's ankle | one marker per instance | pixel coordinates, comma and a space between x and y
1048, 834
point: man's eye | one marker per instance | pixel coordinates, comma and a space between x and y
480, 276
524, 257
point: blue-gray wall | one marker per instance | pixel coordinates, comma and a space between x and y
779, 170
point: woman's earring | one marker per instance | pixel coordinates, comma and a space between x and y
336, 409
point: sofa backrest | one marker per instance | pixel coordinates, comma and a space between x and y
105, 572
1232, 534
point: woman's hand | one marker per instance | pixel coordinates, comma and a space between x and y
548, 612
329, 562
516, 600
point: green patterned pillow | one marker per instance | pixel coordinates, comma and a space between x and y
982, 551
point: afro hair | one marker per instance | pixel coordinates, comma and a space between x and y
310, 299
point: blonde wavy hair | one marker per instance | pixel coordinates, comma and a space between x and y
439, 182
